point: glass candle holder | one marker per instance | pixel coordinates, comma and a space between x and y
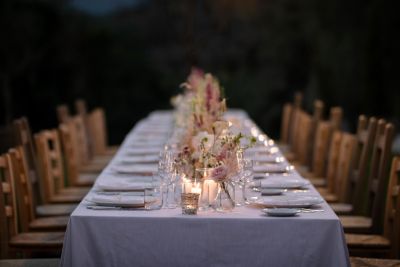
189, 203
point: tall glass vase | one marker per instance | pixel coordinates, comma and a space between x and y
224, 200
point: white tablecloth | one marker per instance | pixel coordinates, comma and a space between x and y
165, 237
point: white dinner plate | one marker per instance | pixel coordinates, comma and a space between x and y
281, 212
290, 201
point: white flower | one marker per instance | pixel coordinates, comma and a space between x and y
206, 138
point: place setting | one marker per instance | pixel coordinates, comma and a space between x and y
143, 193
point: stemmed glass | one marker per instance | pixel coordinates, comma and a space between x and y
249, 194
169, 176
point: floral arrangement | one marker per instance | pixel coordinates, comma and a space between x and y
208, 141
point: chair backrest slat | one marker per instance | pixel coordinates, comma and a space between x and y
317, 117
8, 218
24, 139
321, 148
69, 144
80, 137
23, 188
346, 157
378, 175
366, 132
286, 120
333, 157
303, 140
294, 123
98, 131
51, 161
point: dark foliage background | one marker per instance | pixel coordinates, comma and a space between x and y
130, 56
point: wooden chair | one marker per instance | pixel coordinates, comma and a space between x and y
342, 152
335, 149
52, 167
304, 133
365, 135
95, 123
98, 133
316, 171
387, 244
23, 191
321, 149
69, 144
303, 140
42, 208
86, 163
285, 125
12, 240
297, 104
85, 156
376, 186
293, 129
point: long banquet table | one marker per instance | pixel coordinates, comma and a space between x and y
165, 237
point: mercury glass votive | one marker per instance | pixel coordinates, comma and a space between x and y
189, 203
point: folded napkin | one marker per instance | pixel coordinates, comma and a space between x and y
152, 130
118, 200
271, 168
122, 185
137, 177
139, 159
136, 168
143, 150
280, 182
141, 143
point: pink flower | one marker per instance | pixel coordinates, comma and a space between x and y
219, 173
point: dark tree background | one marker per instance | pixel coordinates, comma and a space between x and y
130, 56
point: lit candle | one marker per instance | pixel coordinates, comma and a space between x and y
196, 189
186, 186
212, 189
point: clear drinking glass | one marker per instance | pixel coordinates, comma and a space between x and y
249, 193
169, 176
153, 195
